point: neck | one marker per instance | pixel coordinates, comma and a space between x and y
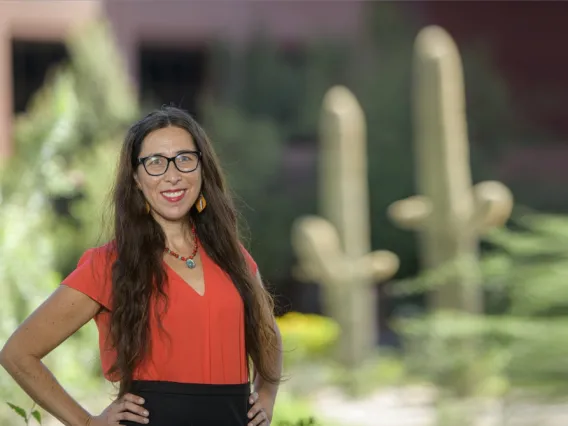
178, 235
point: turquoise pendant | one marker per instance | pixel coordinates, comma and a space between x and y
190, 263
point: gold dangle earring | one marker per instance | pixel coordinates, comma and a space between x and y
147, 207
200, 204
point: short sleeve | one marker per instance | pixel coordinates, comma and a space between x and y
252, 264
92, 277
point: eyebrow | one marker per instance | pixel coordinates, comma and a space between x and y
164, 155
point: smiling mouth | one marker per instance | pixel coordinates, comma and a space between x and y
174, 196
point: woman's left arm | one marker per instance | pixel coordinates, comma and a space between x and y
264, 395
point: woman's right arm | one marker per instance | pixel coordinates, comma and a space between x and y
61, 315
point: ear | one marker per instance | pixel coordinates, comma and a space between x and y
137, 180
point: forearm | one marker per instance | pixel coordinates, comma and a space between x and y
261, 385
38, 382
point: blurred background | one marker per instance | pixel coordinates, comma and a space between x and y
75, 74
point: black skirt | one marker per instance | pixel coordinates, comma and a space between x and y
188, 404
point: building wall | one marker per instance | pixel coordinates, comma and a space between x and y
525, 37
48, 20
165, 22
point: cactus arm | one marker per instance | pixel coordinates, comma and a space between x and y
377, 266
493, 205
411, 213
317, 245
349, 295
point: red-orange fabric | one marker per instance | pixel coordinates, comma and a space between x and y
205, 340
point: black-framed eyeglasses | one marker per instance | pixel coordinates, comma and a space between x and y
185, 162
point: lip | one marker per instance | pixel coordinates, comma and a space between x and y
176, 198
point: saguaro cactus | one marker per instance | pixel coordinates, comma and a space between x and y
450, 213
333, 249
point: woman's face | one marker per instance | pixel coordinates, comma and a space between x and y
171, 194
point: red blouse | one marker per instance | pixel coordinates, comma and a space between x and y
205, 337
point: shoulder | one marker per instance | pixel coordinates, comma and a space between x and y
101, 257
93, 274
250, 261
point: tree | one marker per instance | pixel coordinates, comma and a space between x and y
53, 188
522, 334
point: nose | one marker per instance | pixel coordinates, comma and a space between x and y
172, 175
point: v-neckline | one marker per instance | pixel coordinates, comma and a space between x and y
203, 268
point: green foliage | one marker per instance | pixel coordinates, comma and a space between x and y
382, 370
519, 344
382, 69
53, 190
19, 410
295, 413
381, 82
304, 422
250, 148
306, 337
290, 410
287, 405
281, 90
270, 98
532, 284
458, 353
35, 414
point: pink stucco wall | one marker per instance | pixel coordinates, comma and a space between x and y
197, 22
179, 22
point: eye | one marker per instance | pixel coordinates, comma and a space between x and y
187, 158
154, 161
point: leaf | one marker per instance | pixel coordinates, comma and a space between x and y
37, 416
19, 410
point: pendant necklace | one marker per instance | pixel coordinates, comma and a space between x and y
188, 260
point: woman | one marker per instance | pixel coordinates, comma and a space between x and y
177, 300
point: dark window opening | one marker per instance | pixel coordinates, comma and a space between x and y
170, 76
31, 62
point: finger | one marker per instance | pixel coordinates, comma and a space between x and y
255, 409
135, 408
259, 419
253, 397
125, 415
133, 398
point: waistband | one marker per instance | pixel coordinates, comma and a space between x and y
190, 388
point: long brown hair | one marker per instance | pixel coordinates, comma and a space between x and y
138, 274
